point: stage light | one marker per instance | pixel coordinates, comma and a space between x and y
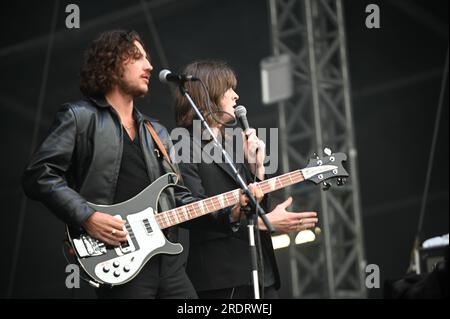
281, 241
304, 236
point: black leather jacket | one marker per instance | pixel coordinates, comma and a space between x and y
80, 158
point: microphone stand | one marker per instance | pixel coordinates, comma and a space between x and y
253, 202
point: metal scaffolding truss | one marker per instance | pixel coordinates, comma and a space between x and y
319, 115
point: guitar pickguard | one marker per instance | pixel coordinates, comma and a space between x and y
118, 265
144, 229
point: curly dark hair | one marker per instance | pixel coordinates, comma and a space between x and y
103, 61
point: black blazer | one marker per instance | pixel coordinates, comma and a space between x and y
218, 256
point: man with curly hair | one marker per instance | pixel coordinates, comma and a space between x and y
99, 150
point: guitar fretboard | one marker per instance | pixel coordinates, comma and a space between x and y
187, 212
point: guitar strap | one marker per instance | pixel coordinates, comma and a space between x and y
158, 142
160, 146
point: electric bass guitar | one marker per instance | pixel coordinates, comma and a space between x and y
109, 265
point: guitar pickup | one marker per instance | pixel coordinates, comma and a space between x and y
127, 246
147, 226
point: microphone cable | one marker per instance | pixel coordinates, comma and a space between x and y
211, 112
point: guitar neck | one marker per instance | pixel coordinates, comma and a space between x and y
187, 212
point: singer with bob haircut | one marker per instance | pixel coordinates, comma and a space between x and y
219, 263
103, 150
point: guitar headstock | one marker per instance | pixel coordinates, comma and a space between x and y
321, 169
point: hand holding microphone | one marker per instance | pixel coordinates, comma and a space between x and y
254, 148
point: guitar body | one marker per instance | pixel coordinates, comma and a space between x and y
118, 265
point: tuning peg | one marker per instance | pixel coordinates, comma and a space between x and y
315, 155
341, 181
326, 186
327, 151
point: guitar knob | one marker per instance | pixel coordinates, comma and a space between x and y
326, 186
116, 273
116, 264
106, 268
126, 268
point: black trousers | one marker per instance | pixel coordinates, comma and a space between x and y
240, 292
153, 282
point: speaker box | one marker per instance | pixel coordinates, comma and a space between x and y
276, 78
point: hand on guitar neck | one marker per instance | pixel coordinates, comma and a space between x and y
236, 209
283, 220
105, 228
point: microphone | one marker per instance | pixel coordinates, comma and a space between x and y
241, 114
166, 76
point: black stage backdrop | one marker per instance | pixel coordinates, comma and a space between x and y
396, 74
